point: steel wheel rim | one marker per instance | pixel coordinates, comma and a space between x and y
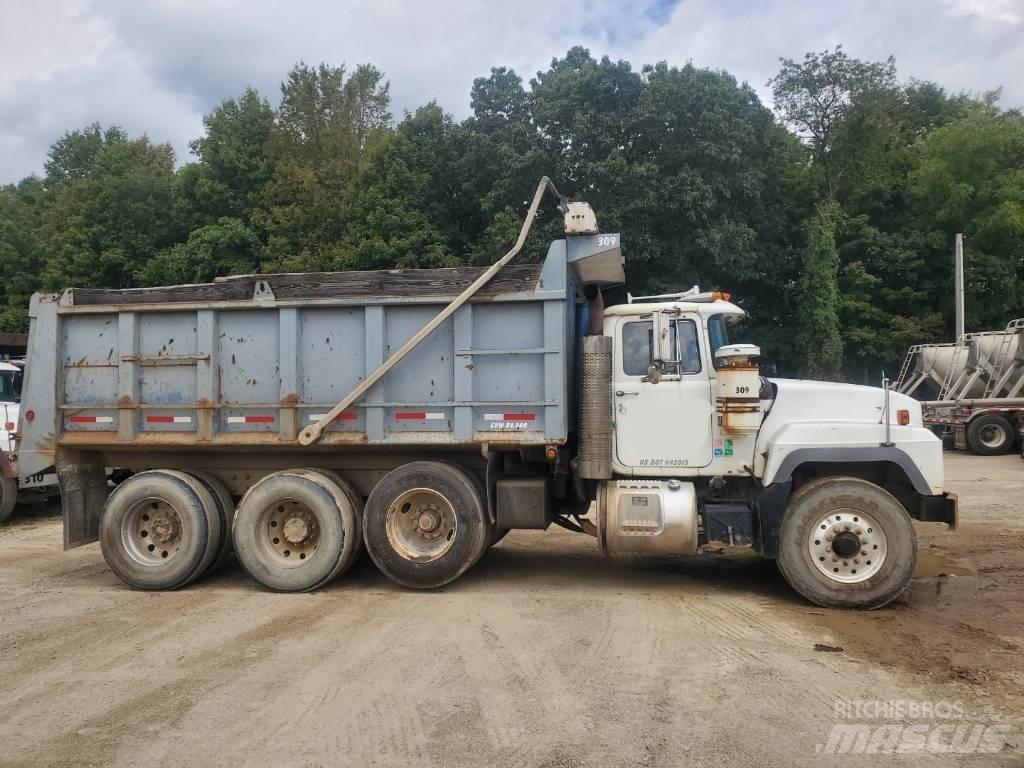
991, 436
288, 532
152, 532
831, 538
421, 525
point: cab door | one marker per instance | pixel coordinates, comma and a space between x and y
665, 427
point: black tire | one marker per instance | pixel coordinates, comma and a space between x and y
358, 507
8, 497
325, 514
841, 508
435, 489
990, 435
225, 507
186, 544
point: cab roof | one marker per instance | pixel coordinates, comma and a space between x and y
706, 308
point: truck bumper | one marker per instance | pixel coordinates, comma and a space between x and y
938, 509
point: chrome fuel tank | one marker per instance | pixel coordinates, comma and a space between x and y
647, 516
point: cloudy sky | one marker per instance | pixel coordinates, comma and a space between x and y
156, 66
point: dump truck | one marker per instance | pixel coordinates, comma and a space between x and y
298, 419
971, 390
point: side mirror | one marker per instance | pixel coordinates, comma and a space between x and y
663, 351
653, 373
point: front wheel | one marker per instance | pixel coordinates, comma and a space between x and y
846, 543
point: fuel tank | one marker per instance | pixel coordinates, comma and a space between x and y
647, 516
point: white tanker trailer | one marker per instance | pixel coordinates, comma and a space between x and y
971, 390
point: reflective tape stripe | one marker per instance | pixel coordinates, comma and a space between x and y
168, 419
509, 416
91, 419
343, 416
250, 419
418, 416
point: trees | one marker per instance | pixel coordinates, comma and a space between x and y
818, 337
99, 228
843, 223
815, 96
970, 179
326, 127
21, 257
234, 165
867, 135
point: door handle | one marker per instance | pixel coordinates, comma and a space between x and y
623, 393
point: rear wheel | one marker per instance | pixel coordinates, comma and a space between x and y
426, 524
990, 434
224, 506
8, 497
846, 543
159, 530
296, 530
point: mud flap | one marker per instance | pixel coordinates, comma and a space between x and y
770, 506
83, 493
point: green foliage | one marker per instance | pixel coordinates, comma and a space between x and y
818, 339
835, 235
326, 127
227, 246
20, 253
971, 179
75, 155
815, 96
233, 163
100, 229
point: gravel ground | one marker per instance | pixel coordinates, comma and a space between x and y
546, 653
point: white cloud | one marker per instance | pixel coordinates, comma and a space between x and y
158, 65
987, 11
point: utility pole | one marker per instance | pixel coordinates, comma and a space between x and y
959, 267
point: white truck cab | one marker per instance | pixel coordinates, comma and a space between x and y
10, 396
11, 375
709, 412
823, 477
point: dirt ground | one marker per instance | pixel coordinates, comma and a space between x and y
547, 653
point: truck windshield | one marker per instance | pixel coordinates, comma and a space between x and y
718, 332
10, 386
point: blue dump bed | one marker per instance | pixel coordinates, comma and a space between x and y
252, 360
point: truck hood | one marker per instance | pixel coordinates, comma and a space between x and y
826, 417
805, 400
8, 414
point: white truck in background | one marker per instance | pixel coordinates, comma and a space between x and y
12, 488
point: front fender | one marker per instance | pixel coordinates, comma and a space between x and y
914, 449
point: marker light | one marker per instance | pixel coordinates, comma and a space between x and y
902, 417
